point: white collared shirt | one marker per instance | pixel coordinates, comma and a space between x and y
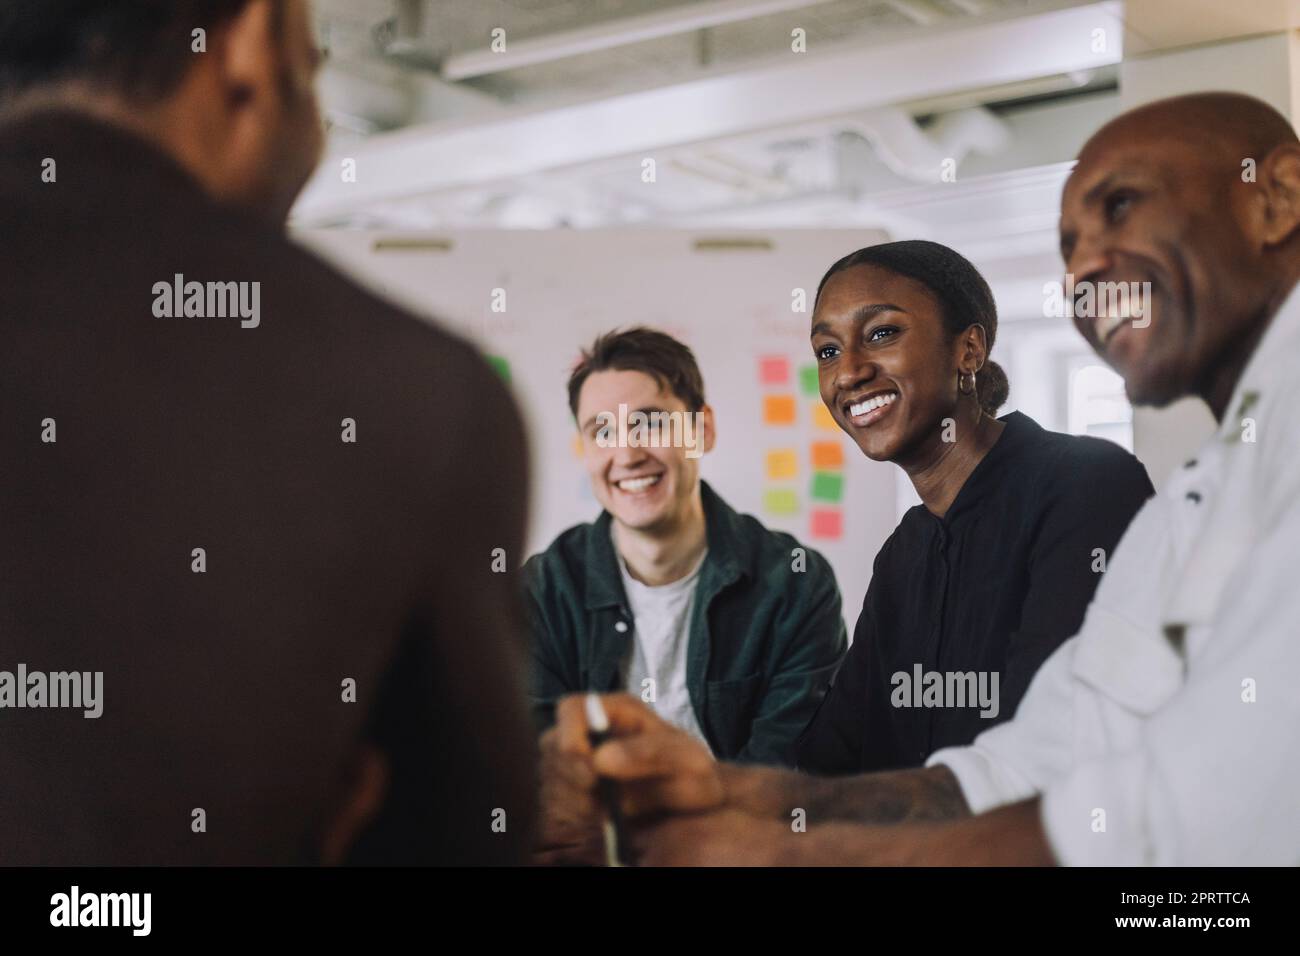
1154, 748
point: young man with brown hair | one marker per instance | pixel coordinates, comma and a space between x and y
725, 628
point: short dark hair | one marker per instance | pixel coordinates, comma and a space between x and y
964, 298
639, 349
137, 48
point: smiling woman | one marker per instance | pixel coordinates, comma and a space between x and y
910, 310
993, 570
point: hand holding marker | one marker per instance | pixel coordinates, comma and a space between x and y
598, 733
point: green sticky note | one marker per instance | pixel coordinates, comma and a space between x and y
780, 501
827, 486
500, 366
808, 380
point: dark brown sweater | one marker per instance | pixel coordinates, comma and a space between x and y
325, 560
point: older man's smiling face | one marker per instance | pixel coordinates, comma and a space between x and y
1147, 205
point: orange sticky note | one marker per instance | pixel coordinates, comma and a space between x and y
827, 523
827, 455
778, 409
822, 418
782, 463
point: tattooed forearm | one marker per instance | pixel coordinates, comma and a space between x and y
898, 796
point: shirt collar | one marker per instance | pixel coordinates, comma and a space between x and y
1274, 358
1227, 533
107, 169
1019, 430
722, 562
120, 156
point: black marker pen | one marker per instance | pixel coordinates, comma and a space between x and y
598, 733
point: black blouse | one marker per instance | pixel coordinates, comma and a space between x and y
993, 588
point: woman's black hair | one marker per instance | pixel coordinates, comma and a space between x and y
964, 298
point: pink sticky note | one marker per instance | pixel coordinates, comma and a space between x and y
774, 370
827, 523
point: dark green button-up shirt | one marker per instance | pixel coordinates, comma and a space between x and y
766, 633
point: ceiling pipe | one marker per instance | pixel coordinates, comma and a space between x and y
920, 155
623, 31
403, 38
919, 12
941, 66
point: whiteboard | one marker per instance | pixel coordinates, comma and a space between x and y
729, 296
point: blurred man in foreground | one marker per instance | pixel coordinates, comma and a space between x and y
1165, 732
250, 506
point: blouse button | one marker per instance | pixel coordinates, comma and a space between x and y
1194, 497
620, 626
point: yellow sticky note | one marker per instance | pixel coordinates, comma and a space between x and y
780, 501
778, 409
577, 445
822, 418
782, 463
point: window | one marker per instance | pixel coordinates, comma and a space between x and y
1098, 405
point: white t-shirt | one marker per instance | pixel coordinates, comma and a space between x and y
661, 626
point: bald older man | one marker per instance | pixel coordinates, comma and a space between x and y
1165, 732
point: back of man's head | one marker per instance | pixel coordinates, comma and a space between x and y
139, 49
226, 87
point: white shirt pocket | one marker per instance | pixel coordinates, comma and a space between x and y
1125, 675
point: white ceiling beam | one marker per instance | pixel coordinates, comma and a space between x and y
919, 12
800, 88
614, 33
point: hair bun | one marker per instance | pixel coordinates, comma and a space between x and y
992, 387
